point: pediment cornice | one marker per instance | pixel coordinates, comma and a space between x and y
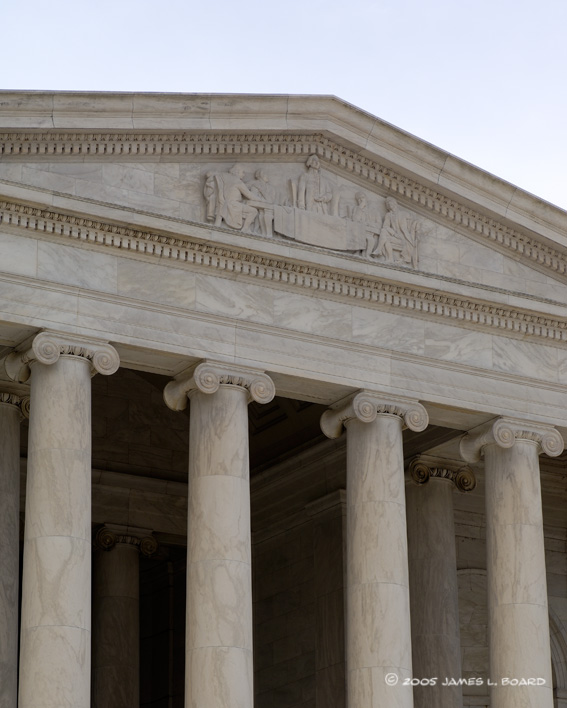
519, 243
286, 272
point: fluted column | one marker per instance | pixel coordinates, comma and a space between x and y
434, 592
56, 584
219, 669
116, 615
12, 408
377, 607
518, 620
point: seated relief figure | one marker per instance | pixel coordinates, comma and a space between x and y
228, 198
225, 193
398, 236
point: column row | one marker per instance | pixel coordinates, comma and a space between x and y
55, 663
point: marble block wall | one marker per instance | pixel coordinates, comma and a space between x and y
134, 431
285, 620
162, 629
299, 641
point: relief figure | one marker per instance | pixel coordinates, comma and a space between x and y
398, 236
265, 192
313, 194
225, 194
210, 193
360, 215
228, 198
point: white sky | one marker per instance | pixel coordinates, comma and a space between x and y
483, 79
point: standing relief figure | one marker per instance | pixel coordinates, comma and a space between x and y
360, 215
312, 192
265, 192
210, 194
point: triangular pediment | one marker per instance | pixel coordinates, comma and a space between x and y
419, 209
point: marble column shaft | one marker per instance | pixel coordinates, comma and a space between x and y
219, 662
378, 633
518, 619
116, 615
434, 592
55, 668
12, 407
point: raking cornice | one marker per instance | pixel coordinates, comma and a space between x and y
257, 146
287, 272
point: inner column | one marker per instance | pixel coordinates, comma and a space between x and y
116, 615
219, 668
377, 607
434, 592
12, 409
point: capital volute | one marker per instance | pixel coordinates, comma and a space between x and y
209, 377
48, 347
19, 401
424, 468
366, 406
110, 535
505, 432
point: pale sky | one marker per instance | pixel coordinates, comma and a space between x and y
483, 79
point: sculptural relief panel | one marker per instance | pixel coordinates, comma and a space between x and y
312, 206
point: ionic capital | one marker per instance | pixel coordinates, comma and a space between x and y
504, 432
109, 536
423, 468
48, 347
22, 403
366, 406
208, 377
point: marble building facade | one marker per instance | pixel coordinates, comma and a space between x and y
282, 412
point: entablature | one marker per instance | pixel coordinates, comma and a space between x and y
274, 263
